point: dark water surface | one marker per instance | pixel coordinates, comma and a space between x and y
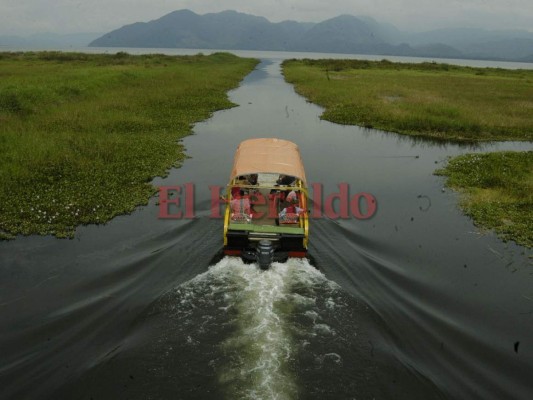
414, 303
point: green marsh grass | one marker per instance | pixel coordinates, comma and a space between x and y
431, 100
497, 191
82, 136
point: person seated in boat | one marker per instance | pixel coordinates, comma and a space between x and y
241, 209
246, 180
291, 213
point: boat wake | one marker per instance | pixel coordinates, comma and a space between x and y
260, 348
260, 306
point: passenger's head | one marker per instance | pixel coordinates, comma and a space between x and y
292, 197
236, 192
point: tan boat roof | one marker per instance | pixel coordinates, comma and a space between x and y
277, 156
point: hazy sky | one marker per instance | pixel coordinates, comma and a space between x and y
22, 17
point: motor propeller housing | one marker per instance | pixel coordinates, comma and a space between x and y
265, 254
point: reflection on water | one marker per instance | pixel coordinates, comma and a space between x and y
424, 305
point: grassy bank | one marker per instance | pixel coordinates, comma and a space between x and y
431, 100
81, 136
497, 191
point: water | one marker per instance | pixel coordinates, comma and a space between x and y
414, 303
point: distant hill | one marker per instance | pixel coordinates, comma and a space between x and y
340, 35
231, 30
226, 30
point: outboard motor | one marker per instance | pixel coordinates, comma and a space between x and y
265, 254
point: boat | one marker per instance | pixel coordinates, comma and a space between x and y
266, 216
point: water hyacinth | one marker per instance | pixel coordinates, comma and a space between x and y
71, 143
497, 191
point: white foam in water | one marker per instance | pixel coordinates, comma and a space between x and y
260, 342
258, 303
324, 330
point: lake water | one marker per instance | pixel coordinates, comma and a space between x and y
413, 303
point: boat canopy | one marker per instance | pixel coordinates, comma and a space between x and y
268, 155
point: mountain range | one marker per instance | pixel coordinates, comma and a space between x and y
231, 30
345, 34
